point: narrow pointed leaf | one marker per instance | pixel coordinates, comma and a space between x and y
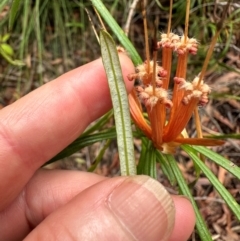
200, 223
166, 168
148, 158
99, 156
225, 136
220, 160
126, 43
82, 142
152, 163
120, 104
3, 3
142, 159
99, 123
228, 198
13, 12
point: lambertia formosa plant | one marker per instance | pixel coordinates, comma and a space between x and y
168, 112
160, 114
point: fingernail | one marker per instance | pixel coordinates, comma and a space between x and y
144, 208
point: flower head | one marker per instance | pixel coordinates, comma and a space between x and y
168, 116
166, 130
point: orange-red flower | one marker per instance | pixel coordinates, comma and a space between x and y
168, 115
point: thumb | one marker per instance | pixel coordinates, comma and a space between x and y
122, 208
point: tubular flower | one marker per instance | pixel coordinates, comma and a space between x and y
168, 115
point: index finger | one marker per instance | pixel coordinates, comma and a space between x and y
42, 123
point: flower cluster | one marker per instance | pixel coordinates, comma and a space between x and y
178, 43
168, 117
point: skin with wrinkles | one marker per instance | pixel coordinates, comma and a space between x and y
70, 205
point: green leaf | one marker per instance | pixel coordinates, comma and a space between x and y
86, 140
224, 136
99, 123
13, 12
142, 159
82, 142
9, 58
200, 223
5, 37
74, 24
120, 104
100, 156
40, 45
221, 161
3, 3
147, 162
228, 198
7, 49
166, 168
151, 169
126, 43
223, 96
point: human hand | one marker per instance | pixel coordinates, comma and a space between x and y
72, 205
